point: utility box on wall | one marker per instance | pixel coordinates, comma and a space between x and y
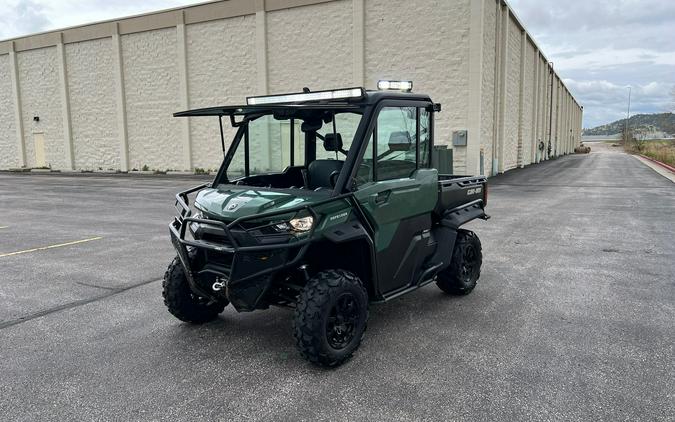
459, 138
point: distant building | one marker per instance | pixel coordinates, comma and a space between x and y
652, 133
599, 138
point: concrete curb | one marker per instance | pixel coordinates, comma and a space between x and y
656, 166
664, 165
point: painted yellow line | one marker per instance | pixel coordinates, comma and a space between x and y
76, 242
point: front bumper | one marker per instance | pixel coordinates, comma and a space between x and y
245, 265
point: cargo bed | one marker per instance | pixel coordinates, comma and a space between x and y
455, 191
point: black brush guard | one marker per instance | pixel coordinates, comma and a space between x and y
247, 278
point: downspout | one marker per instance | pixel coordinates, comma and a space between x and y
550, 114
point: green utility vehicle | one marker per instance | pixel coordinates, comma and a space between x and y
325, 202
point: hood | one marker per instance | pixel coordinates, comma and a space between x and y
228, 202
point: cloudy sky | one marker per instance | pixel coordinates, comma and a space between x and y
599, 47
22, 17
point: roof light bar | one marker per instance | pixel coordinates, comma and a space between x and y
405, 86
339, 94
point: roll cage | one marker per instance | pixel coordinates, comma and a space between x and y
368, 105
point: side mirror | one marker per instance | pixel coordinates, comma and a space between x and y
400, 141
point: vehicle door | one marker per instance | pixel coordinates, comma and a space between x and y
398, 191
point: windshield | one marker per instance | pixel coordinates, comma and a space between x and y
276, 143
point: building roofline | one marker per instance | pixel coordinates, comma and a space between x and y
522, 27
165, 18
195, 13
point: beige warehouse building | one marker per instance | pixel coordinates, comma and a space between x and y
100, 96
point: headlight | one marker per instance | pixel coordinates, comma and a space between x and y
194, 226
302, 224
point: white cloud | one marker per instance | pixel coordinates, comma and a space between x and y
602, 57
605, 101
603, 46
23, 17
600, 46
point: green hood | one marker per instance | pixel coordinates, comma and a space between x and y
229, 203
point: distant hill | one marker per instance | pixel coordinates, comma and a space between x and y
662, 122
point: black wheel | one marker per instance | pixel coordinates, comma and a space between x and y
182, 302
460, 277
330, 317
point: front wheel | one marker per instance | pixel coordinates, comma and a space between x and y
460, 277
330, 317
182, 302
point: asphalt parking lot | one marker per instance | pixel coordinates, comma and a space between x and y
573, 317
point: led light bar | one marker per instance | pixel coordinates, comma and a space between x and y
405, 86
339, 94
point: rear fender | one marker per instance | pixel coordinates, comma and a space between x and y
457, 217
445, 232
445, 238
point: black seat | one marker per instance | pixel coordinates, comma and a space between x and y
319, 171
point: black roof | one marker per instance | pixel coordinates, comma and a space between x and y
369, 99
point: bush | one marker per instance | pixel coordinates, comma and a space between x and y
663, 151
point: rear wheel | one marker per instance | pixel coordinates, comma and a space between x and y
460, 277
181, 300
330, 317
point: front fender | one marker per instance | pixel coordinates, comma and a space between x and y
344, 236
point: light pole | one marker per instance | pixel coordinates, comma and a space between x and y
625, 126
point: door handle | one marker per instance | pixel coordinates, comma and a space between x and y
382, 197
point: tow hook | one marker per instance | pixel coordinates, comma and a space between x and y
218, 285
